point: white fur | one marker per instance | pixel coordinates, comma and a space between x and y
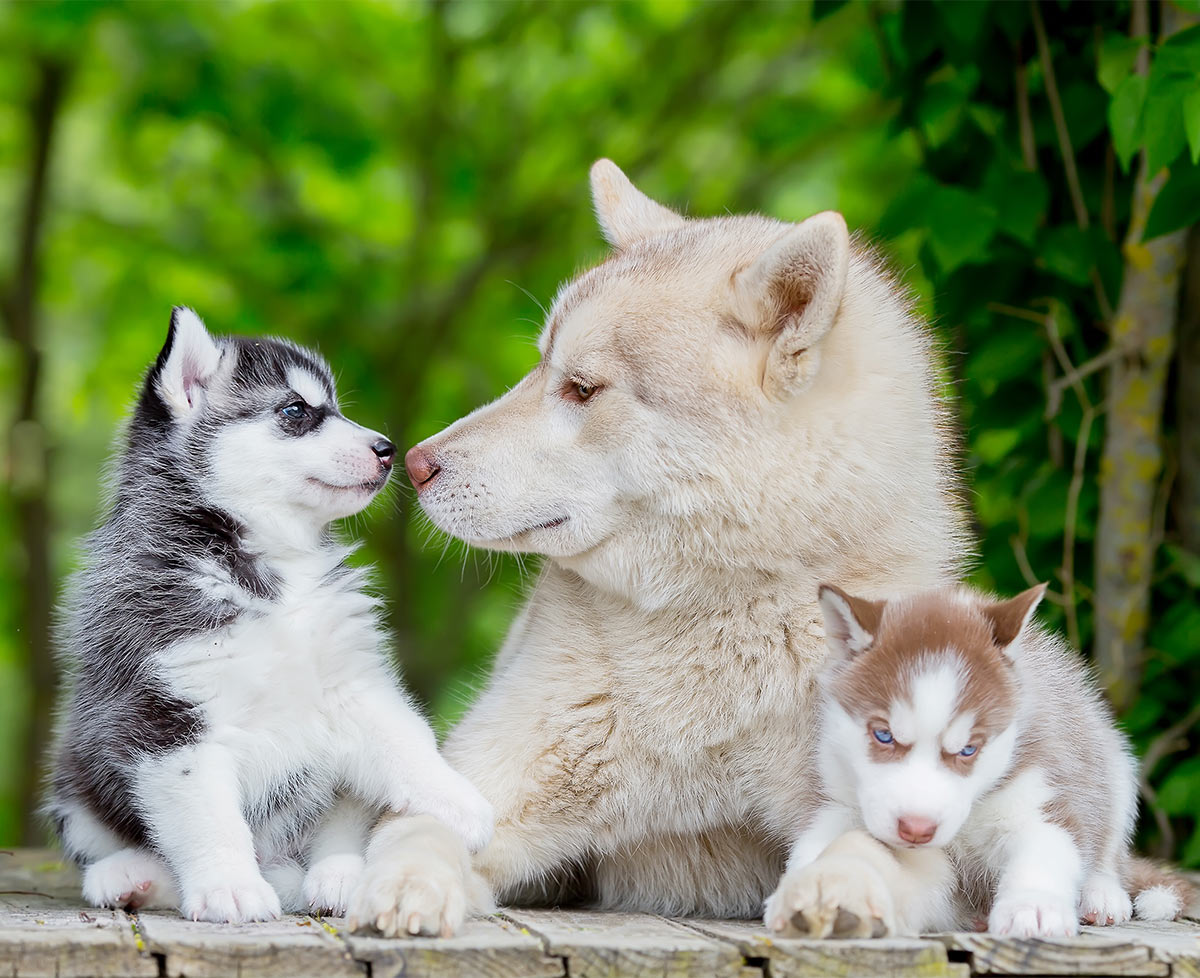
1157, 903
299, 687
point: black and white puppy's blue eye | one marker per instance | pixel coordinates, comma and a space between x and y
968, 751
294, 411
883, 736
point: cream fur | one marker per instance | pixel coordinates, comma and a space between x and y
765, 416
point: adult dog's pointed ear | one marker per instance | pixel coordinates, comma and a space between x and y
792, 293
186, 364
851, 623
625, 213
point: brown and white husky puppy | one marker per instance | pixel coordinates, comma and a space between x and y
977, 749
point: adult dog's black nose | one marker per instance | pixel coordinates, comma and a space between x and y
385, 451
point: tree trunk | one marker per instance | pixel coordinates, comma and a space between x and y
1142, 336
28, 461
1187, 391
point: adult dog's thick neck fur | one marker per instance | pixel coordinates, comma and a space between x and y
726, 412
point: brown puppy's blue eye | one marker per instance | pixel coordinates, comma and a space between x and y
968, 751
883, 736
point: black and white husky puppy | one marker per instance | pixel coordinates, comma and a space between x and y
233, 726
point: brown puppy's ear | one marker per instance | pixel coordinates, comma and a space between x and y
1010, 618
792, 294
851, 623
625, 213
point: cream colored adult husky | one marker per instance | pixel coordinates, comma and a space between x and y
727, 411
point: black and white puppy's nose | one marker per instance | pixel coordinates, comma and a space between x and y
385, 451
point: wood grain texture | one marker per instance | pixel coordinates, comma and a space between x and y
1099, 951
46, 932
608, 945
37, 942
284, 948
490, 948
787, 958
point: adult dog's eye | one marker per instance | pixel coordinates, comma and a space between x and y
294, 411
584, 391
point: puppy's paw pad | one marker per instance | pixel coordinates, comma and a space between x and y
1104, 902
1030, 913
329, 883
130, 878
232, 901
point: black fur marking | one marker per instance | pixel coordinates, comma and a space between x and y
266, 363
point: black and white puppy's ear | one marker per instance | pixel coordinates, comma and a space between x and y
791, 295
186, 364
851, 623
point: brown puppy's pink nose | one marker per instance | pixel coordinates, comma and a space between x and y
421, 467
917, 830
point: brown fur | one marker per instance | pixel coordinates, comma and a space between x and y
906, 630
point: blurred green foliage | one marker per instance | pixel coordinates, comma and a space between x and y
404, 186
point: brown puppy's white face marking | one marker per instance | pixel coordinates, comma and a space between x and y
920, 706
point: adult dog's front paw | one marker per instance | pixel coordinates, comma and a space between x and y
329, 883
130, 878
1033, 913
418, 880
832, 897
234, 898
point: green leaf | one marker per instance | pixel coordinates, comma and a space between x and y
1067, 252
823, 8
1180, 792
1162, 121
1179, 54
1125, 118
1191, 123
1019, 197
1117, 56
1177, 204
1191, 852
961, 226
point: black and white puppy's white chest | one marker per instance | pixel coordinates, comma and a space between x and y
277, 688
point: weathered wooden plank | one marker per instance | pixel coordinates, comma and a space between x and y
41, 942
291, 947
490, 948
41, 872
608, 945
795, 958
1177, 943
1098, 951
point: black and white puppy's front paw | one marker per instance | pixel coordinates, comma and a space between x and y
234, 897
129, 879
329, 883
